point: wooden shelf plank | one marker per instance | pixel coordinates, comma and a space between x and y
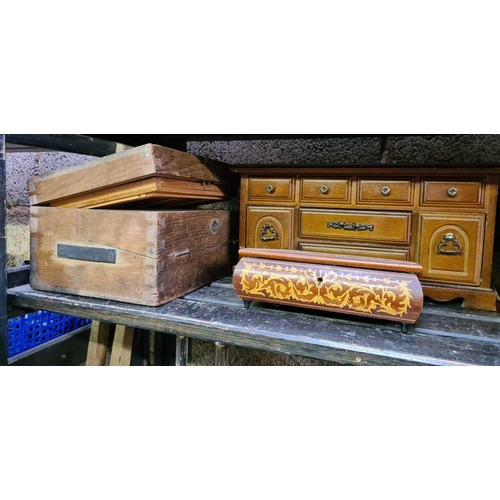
285, 330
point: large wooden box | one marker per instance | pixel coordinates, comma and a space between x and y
141, 257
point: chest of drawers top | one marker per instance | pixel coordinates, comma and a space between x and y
389, 186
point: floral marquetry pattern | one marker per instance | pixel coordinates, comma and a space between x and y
361, 291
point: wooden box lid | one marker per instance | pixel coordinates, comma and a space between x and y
149, 173
319, 258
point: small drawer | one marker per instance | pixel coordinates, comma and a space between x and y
380, 252
450, 247
436, 192
385, 192
269, 227
356, 225
325, 190
271, 188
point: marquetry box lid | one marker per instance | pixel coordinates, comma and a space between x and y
371, 287
142, 177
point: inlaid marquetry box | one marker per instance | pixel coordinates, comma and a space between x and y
370, 287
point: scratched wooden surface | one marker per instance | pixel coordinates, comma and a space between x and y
160, 255
127, 166
443, 335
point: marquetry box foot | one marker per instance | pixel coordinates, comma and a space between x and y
370, 287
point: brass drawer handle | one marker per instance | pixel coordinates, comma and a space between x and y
456, 248
453, 191
324, 189
270, 188
350, 226
386, 190
270, 231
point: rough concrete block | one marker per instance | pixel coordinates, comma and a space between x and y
52, 161
334, 150
18, 236
469, 148
23, 166
20, 167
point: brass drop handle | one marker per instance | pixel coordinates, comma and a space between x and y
270, 188
324, 189
268, 233
449, 245
386, 190
453, 191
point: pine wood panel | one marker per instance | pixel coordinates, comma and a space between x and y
158, 255
131, 165
98, 344
153, 190
121, 352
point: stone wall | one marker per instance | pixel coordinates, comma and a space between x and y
473, 148
336, 150
20, 168
477, 148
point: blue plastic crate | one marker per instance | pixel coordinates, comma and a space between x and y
32, 329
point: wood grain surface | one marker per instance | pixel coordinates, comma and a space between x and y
127, 166
98, 344
159, 255
156, 190
444, 335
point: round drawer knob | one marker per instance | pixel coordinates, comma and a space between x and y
452, 192
386, 190
270, 188
324, 189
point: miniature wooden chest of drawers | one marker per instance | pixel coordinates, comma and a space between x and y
442, 217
